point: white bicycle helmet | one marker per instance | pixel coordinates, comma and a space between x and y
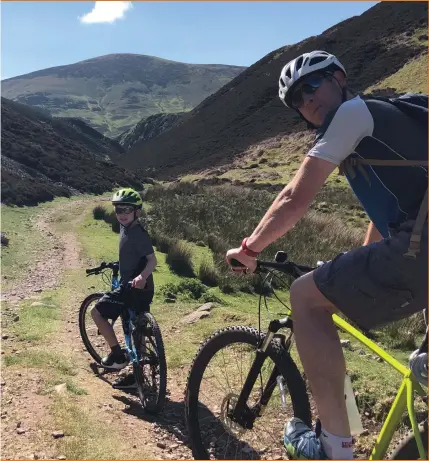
303, 65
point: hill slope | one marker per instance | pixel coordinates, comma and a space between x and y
247, 110
114, 92
43, 157
149, 128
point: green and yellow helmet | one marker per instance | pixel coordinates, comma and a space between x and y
127, 196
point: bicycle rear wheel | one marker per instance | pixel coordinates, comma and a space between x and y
208, 405
151, 372
407, 447
93, 340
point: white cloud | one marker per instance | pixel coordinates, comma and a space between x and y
106, 11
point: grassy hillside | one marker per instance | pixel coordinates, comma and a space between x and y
113, 93
149, 128
43, 157
246, 112
96, 420
413, 76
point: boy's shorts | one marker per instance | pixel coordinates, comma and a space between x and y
111, 304
376, 284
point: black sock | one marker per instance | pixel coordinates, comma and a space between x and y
117, 351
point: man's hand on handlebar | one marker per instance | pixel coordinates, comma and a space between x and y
237, 254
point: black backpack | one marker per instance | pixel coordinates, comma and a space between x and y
415, 106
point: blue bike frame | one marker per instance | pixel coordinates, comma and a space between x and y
127, 327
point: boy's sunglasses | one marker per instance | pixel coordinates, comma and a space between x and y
124, 209
308, 86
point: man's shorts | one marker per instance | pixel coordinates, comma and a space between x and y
111, 303
376, 284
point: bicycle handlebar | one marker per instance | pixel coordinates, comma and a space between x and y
101, 267
287, 267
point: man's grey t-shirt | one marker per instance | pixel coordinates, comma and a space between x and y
134, 246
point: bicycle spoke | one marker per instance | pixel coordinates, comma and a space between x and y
226, 376
217, 379
259, 434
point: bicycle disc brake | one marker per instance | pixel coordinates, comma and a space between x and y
228, 405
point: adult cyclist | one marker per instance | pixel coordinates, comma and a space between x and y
380, 282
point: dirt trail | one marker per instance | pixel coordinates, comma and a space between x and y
62, 253
27, 416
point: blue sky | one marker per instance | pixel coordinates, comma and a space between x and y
37, 35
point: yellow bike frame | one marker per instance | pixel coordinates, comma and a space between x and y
404, 397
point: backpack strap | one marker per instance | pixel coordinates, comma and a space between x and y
416, 235
350, 163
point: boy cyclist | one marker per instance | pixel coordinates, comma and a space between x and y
137, 261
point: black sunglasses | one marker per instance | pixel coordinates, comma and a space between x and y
124, 209
308, 86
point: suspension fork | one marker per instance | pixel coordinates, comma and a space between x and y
130, 334
242, 414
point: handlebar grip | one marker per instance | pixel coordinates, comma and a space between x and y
236, 263
95, 270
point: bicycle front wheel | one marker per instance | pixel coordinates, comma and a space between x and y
151, 371
93, 340
214, 383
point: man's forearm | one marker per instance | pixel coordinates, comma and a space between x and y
282, 215
291, 203
372, 235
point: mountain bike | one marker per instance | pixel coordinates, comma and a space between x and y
141, 336
245, 419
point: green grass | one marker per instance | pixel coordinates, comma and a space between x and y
74, 389
377, 384
413, 76
56, 368
86, 433
87, 437
230, 212
37, 322
182, 341
38, 358
420, 32
191, 177
223, 212
98, 241
25, 243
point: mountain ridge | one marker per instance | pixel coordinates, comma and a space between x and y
247, 110
114, 92
44, 156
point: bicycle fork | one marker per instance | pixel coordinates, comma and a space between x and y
130, 340
241, 413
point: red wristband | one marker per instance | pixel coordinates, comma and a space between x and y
246, 250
